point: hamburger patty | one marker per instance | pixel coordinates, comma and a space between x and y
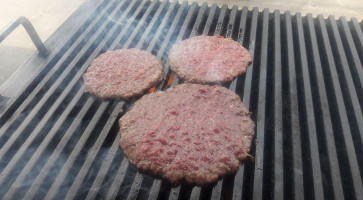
209, 59
122, 73
194, 132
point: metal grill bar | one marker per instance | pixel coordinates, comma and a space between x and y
278, 131
251, 49
310, 122
70, 161
32, 136
181, 33
65, 139
195, 193
222, 189
122, 170
356, 70
81, 89
118, 180
154, 191
218, 192
66, 167
28, 120
238, 179
346, 131
294, 116
353, 89
33, 160
260, 123
352, 51
58, 181
93, 152
90, 159
326, 125
137, 181
174, 192
358, 36
64, 143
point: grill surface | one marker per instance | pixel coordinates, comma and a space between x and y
304, 88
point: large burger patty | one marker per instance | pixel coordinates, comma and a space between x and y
194, 132
209, 59
122, 73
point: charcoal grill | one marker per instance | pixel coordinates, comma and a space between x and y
304, 88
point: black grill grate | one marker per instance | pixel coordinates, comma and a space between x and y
304, 88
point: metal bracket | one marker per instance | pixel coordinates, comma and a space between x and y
29, 29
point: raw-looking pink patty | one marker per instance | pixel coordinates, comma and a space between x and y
194, 132
123, 73
209, 59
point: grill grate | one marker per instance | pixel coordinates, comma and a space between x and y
304, 88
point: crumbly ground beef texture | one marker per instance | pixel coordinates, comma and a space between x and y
122, 73
209, 59
192, 132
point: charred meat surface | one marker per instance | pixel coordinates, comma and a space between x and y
122, 73
192, 132
209, 59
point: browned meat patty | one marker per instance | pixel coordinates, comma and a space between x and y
123, 73
194, 132
209, 59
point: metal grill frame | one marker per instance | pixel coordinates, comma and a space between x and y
304, 88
